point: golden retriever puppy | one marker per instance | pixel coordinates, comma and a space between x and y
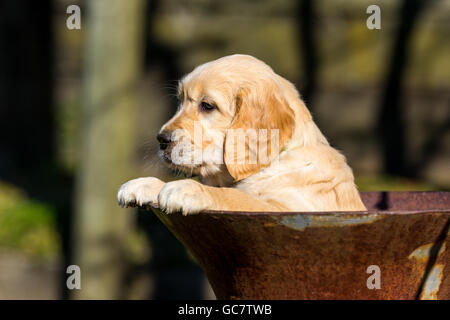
248, 136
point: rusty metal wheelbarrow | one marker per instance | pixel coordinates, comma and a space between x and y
404, 237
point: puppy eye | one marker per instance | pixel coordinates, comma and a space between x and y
207, 107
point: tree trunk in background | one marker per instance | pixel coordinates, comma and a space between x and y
305, 17
113, 50
391, 124
26, 89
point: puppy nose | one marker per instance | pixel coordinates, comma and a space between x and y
163, 139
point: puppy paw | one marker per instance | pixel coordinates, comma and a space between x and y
139, 192
187, 196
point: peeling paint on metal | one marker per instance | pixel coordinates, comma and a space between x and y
431, 287
270, 224
422, 253
301, 222
433, 280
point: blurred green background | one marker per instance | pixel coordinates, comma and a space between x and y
80, 109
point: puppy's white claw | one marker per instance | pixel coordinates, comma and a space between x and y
139, 192
186, 196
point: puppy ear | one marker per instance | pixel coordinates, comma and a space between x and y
262, 125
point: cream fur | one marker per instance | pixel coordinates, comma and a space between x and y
307, 174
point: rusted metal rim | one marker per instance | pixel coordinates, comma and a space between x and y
325, 255
442, 207
322, 213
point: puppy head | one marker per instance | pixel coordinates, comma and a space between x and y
232, 119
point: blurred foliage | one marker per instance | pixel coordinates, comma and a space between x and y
28, 226
68, 122
138, 251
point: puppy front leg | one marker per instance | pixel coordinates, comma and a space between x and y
229, 199
140, 192
187, 196
190, 197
